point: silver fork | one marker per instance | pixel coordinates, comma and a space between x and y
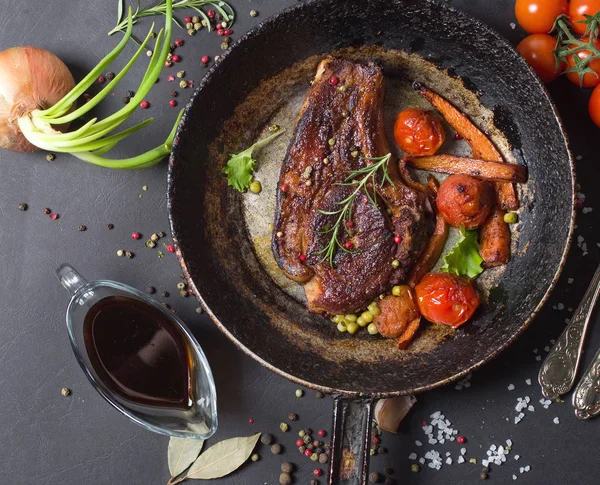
559, 370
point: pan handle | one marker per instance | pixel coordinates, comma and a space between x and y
350, 447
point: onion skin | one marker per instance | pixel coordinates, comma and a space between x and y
30, 78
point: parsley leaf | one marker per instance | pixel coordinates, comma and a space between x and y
463, 259
240, 166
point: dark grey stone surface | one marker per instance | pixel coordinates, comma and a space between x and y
50, 439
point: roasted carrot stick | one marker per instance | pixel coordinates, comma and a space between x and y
494, 246
432, 252
481, 145
405, 339
484, 169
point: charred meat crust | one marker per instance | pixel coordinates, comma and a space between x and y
339, 127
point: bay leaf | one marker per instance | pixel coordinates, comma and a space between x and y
223, 458
183, 452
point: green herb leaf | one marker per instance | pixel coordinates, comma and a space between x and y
223, 458
464, 259
358, 179
183, 452
120, 10
240, 166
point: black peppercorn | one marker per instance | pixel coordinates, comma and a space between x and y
109, 226
310, 446
110, 76
23, 206
319, 395
389, 481
307, 438
292, 416
266, 439
126, 100
131, 94
314, 482
287, 467
47, 211
150, 290
483, 476
374, 477
165, 294
388, 471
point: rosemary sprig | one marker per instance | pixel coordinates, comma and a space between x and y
568, 45
358, 179
160, 8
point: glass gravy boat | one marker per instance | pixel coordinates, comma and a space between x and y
198, 419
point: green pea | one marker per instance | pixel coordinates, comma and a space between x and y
511, 217
395, 263
372, 329
255, 187
338, 318
374, 309
342, 327
397, 290
351, 317
361, 322
367, 316
352, 327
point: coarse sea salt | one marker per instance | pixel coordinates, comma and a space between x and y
511, 387
556, 420
514, 477
517, 457
460, 459
528, 382
412, 456
538, 358
418, 443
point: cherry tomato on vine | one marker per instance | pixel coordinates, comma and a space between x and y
418, 132
446, 298
537, 50
577, 9
594, 106
589, 80
538, 16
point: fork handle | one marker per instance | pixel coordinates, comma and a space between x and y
586, 398
558, 372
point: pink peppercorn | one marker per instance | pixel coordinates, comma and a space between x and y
178, 42
205, 59
308, 452
54, 216
334, 80
349, 224
211, 14
221, 33
171, 248
317, 472
461, 439
136, 235
284, 188
101, 80
397, 239
144, 104
228, 32
172, 103
251, 420
322, 433
300, 442
176, 58
303, 257
348, 245
375, 440
187, 19
171, 78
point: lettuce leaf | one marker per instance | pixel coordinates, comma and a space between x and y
463, 259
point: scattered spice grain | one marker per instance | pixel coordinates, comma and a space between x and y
65, 391
82, 228
22, 206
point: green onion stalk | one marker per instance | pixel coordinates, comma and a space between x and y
96, 137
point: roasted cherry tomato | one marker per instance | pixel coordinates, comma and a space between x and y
579, 8
538, 16
418, 132
594, 106
446, 298
589, 80
463, 200
537, 50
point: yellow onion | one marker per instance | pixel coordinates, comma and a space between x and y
30, 78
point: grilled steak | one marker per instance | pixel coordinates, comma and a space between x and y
340, 126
